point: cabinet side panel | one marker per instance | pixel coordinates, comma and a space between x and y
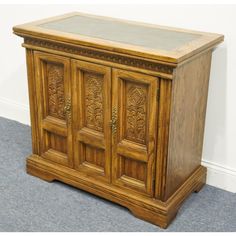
32, 100
189, 99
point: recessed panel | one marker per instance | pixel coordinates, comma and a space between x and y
134, 169
93, 100
94, 155
55, 90
136, 112
57, 143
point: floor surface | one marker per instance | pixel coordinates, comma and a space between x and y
30, 204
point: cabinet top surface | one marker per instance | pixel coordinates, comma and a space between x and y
139, 39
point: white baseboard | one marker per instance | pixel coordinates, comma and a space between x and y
217, 175
14, 110
220, 176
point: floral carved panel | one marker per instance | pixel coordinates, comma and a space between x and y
136, 112
56, 97
93, 86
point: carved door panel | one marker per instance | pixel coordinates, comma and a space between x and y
53, 96
134, 111
92, 109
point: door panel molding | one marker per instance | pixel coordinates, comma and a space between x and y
54, 88
134, 97
92, 114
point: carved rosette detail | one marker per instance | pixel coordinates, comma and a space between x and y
56, 98
106, 56
136, 112
94, 101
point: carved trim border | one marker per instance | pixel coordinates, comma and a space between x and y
106, 56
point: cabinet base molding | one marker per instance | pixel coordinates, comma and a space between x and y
152, 210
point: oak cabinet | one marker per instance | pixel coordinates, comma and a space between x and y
119, 117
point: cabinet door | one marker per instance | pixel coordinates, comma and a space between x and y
134, 115
92, 111
53, 96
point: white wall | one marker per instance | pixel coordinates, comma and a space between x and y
219, 150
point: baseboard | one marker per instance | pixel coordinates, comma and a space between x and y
217, 175
14, 110
220, 176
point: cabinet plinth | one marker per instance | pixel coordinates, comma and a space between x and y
118, 113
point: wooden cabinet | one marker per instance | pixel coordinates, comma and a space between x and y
119, 111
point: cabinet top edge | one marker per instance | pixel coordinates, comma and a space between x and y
174, 45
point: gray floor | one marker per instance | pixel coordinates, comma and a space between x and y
30, 204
